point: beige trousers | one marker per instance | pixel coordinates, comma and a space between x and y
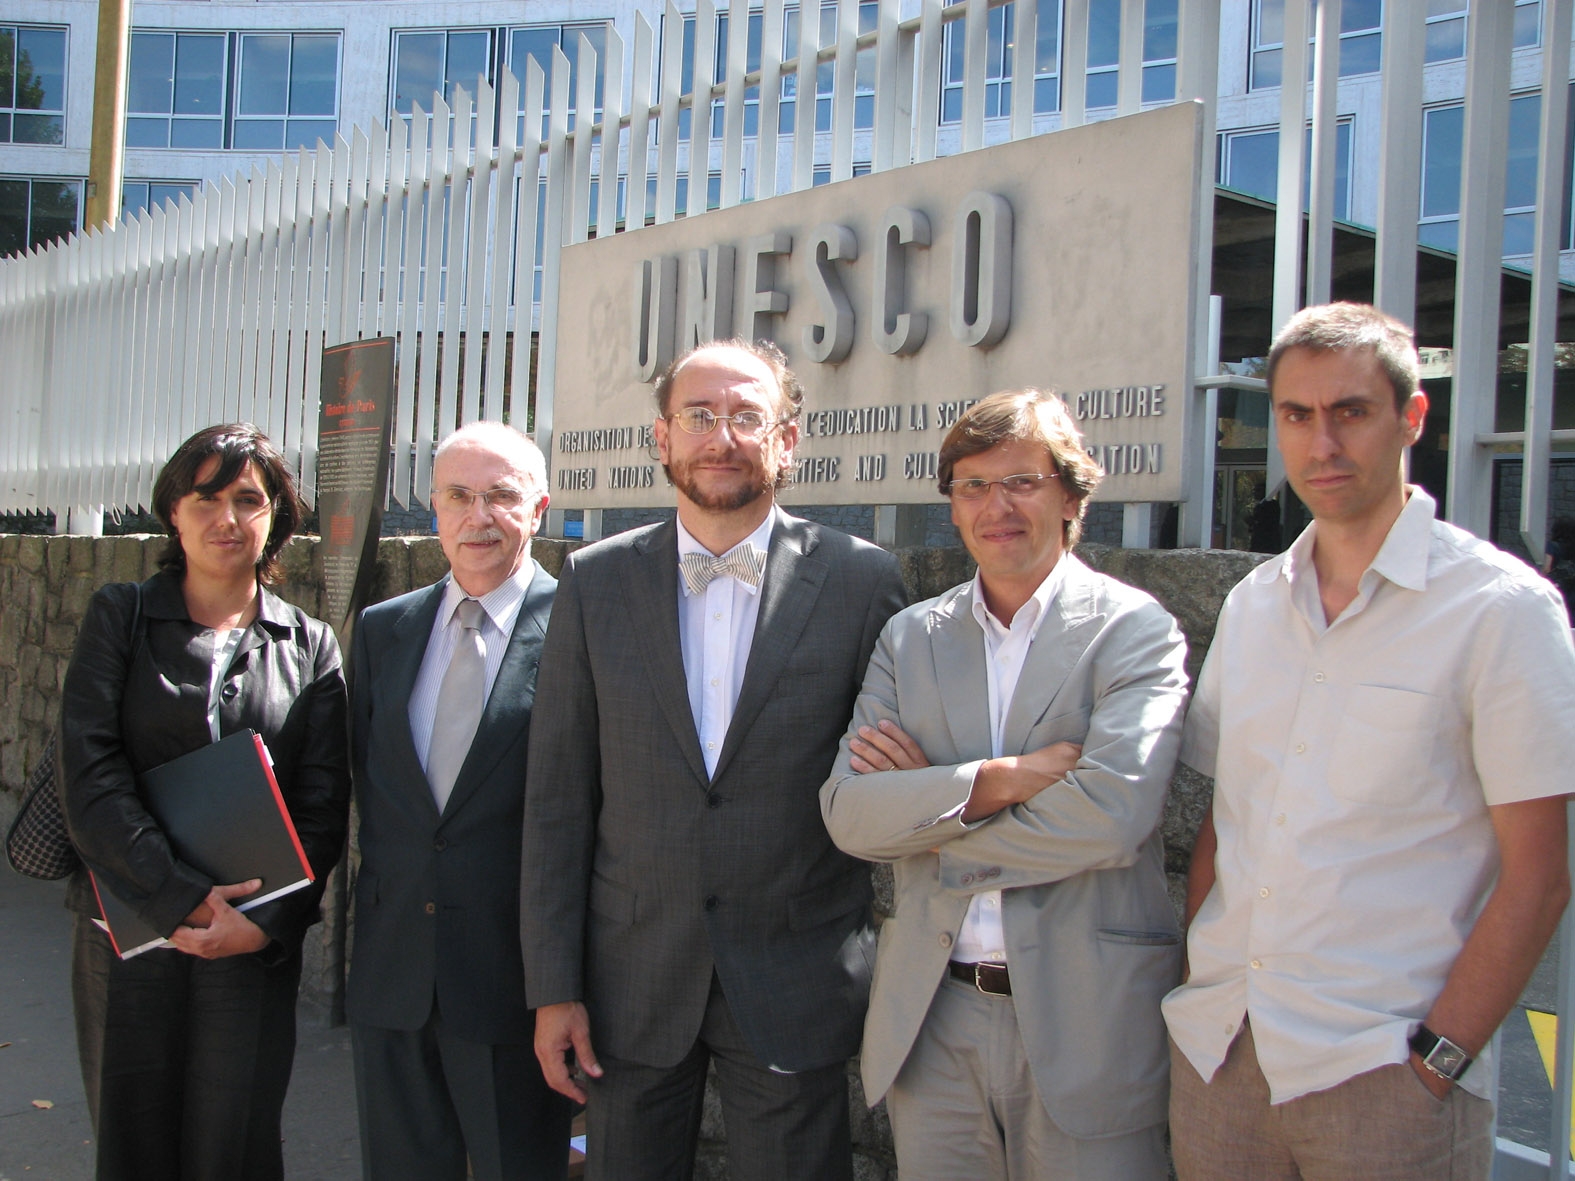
1383, 1125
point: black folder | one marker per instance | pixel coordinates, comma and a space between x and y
223, 814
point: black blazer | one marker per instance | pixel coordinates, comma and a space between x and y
642, 873
437, 896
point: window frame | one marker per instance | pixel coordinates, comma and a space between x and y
10, 111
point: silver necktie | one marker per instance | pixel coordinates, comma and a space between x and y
460, 701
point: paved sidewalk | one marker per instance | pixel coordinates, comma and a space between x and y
38, 1059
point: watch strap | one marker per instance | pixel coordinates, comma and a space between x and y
1440, 1055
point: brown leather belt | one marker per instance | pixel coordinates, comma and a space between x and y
989, 978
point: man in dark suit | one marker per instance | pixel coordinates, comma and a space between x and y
443, 683
682, 903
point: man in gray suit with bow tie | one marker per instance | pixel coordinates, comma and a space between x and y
682, 903
443, 683
1010, 753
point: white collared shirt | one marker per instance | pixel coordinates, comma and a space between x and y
500, 607
1355, 763
1005, 650
715, 631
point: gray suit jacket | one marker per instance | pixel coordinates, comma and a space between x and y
643, 873
437, 896
1090, 934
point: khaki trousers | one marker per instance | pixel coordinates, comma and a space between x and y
964, 1105
1383, 1125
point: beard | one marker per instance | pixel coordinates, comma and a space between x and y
756, 484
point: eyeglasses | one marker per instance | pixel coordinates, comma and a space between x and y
746, 424
456, 498
1025, 484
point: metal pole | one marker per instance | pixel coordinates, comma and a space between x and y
107, 158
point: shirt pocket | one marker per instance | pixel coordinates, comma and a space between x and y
1383, 746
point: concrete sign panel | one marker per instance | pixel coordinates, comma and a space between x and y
901, 298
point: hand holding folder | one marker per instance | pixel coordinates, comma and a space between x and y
223, 814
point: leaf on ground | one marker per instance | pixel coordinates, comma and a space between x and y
45, 1104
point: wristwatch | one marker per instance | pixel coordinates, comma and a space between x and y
1440, 1055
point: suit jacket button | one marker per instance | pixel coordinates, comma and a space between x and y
946, 939
967, 879
431, 908
440, 844
713, 800
712, 902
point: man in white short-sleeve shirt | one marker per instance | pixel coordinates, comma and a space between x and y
1388, 709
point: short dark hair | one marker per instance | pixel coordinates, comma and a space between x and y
764, 350
1340, 327
234, 444
1027, 415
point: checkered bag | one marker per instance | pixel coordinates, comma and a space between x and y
37, 844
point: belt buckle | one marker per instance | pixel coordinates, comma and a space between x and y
981, 971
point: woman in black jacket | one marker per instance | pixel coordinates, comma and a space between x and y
186, 1051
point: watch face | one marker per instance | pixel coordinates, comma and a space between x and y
1448, 1059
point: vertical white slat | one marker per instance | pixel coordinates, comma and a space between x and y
1479, 266
1399, 164
526, 200
733, 103
552, 247
236, 353
284, 237
476, 252
54, 458
700, 106
307, 246
427, 425
884, 154
667, 125
343, 278
902, 128
34, 461
93, 346
1197, 79
322, 283
581, 141
453, 288
215, 293
1074, 62
639, 170
1320, 205
408, 426
269, 306
66, 290
353, 308
190, 246
612, 135
1025, 61
1129, 67
160, 362
122, 309
373, 308
976, 29
766, 145
501, 257
804, 94
396, 174
1551, 202
843, 87
245, 389
141, 423
930, 54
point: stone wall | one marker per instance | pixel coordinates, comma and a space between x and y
46, 582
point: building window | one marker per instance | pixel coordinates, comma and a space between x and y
1249, 162
259, 92
537, 41
1361, 40
1443, 129
1446, 27
1000, 62
36, 211
32, 84
822, 174
137, 195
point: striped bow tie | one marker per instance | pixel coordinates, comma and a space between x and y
745, 563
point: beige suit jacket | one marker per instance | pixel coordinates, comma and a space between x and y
1091, 936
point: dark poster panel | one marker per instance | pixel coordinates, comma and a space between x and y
352, 472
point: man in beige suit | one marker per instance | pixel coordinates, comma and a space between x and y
1010, 752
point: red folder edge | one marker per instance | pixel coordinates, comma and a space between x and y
278, 798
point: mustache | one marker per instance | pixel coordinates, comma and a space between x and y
479, 536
